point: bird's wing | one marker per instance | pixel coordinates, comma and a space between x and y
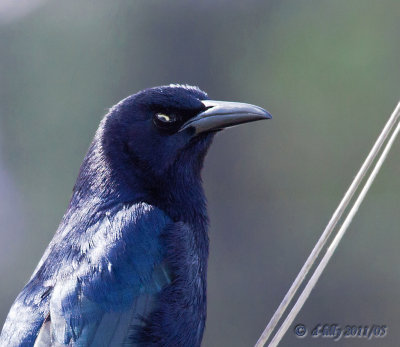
101, 291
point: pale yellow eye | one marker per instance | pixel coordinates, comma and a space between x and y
164, 118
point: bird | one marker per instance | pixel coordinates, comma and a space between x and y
127, 265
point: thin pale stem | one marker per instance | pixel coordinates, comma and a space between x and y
329, 228
328, 255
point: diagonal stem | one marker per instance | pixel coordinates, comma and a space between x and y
328, 255
329, 228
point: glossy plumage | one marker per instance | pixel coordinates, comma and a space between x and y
127, 265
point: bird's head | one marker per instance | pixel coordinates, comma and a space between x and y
162, 134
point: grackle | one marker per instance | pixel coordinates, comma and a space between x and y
127, 265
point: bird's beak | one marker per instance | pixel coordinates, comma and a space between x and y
223, 114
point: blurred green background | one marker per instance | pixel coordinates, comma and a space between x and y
329, 72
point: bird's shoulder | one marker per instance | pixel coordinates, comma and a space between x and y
92, 273
98, 240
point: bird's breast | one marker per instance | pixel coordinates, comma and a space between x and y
179, 314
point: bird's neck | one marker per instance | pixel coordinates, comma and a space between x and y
179, 192
101, 181
183, 200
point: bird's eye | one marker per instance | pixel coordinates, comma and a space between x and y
164, 118
165, 121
